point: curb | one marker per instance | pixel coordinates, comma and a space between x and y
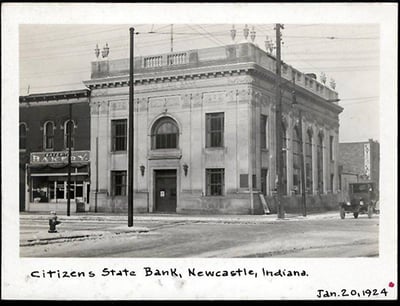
80, 235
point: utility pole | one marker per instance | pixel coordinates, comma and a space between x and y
302, 172
172, 38
130, 133
278, 124
69, 132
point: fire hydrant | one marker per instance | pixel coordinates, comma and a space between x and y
53, 222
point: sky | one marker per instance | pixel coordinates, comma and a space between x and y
58, 57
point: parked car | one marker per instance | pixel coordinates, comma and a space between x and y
362, 199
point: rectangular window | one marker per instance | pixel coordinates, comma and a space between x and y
332, 180
118, 183
263, 131
215, 182
214, 130
119, 135
331, 147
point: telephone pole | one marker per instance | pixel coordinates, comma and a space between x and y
278, 124
130, 132
69, 128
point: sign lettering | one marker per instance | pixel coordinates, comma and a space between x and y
59, 157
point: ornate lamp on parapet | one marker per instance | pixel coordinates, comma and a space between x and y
268, 45
323, 77
105, 51
245, 32
97, 51
332, 83
233, 33
253, 34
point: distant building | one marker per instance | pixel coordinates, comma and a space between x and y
44, 124
358, 162
205, 133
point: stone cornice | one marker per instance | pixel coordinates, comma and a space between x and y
173, 75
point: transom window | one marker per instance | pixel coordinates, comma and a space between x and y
165, 134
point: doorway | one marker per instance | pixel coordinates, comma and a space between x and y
165, 190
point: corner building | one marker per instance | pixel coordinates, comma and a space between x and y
204, 133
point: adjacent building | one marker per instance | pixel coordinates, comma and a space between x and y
204, 133
358, 162
46, 120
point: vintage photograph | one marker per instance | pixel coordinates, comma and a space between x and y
211, 106
167, 156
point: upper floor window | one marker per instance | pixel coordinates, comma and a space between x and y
69, 128
331, 148
263, 132
320, 168
214, 130
48, 135
22, 136
118, 135
296, 160
165, 134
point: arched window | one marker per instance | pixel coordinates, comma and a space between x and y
48, 135
165, 134
69, 128
296, 160
320, 171
22, 136
308, 161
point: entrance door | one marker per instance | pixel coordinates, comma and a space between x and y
165, 188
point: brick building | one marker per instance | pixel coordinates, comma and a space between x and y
43, 148
358, 162
204, 133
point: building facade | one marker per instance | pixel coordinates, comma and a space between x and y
358, 162
204, 133
46, 120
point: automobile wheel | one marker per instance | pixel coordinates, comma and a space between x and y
342, 213
370, 210
355, 214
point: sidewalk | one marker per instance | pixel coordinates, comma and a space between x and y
92, 217
110, 220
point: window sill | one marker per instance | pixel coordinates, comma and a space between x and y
118, 152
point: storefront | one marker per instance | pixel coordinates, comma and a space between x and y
47, 178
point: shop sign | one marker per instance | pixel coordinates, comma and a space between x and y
59, 157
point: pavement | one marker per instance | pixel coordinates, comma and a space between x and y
117, 224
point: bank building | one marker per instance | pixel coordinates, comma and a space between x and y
204, 133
